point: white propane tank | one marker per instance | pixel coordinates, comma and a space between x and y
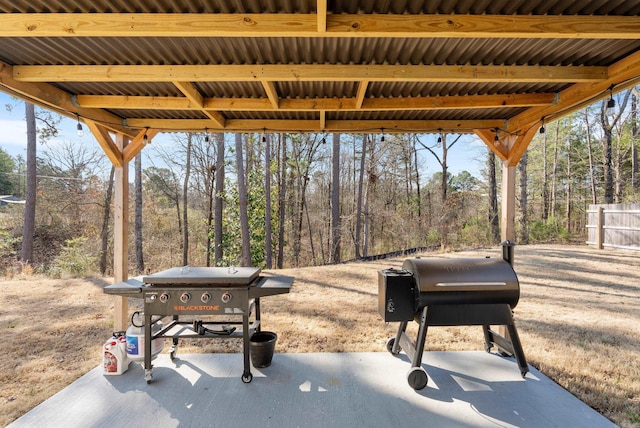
114, 355
135, 338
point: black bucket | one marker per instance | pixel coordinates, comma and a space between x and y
263, 345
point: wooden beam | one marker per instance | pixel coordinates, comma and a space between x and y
321, 14
191, 92
623, 73
323, 119
508, 203
109, 147
195, 97
520, 145
488, 137
362, 91
137, 144
308, 73
272, 93
121, 235
318, 104
259, 125
317, 25
55, 99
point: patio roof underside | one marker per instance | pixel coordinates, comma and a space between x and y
493, 67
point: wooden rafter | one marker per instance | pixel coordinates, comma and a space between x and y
307, 73
623, 73
272, 93
315, 104
316, 25
362, 91
232, 125
52, 98
195, 97
109, 147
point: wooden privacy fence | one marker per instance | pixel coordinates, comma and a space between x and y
614, 225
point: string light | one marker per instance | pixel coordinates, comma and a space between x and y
496, 139
145, 137
439, 136
542, 130
611, 103
206, 135
79, 129
382, 138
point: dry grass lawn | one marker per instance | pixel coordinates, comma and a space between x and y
578, 319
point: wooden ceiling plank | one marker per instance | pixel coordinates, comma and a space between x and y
323, 119
317, 25
109, 147
272, 93
621, 74
57, 100
307, 72
315, 104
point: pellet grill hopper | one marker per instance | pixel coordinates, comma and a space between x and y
451, 292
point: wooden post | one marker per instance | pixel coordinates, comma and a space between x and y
508, 213
600, 229
120, 236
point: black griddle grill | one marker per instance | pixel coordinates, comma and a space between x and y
451, 292
232, 293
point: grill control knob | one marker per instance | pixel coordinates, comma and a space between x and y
185, 297
164, 297
153, 297
226, 297
205, 297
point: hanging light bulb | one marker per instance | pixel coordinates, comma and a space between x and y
206, 135
542, 130
79, 129
611, 103
145, 137
496, 139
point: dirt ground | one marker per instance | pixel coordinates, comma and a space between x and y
578, 320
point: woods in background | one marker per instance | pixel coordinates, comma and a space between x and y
280, 200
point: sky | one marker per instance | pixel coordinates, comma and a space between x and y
467, 154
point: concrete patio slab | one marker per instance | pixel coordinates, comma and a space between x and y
465, 389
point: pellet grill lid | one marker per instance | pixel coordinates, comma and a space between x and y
464, 280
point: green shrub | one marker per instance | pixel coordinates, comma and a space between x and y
552, 230
74, 260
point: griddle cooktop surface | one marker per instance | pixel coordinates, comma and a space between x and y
216, 276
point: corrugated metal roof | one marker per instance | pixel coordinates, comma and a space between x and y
240, 46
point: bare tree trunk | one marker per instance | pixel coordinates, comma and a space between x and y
415, 155
545, 180
267, 209
359, 199
104, 233
137, 228
524, 218
218, 200
569, 188
634, 141
28, 232
494, 221
554, 172
335, 200
607, 161
242, 198
282, 198
185, 204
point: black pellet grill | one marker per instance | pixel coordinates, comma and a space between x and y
233, 293
451, 292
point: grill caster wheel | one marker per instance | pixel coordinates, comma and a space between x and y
247, 377
417, 378
390, 344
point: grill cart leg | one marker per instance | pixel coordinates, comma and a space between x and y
417, 376
247, 377
517, 350
393, 344
148, 376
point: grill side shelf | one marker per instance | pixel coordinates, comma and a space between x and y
271, 286
130, 287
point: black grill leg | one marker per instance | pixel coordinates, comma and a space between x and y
487, 338
396, 343
517, 349
421, 339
